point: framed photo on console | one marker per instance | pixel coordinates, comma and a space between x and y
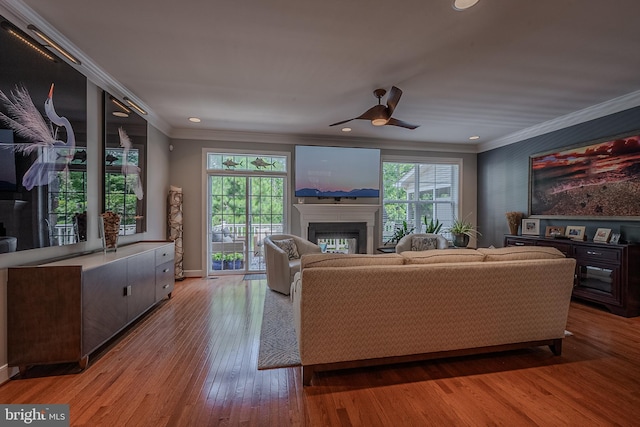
576, 232
602, 235
531, 226
554, 230
615, 238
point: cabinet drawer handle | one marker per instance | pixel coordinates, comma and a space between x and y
165, 286
519, 244
594, 253
165, 270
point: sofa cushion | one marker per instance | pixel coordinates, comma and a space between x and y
423, 243
520, 253
442, 256
349, 260
289, 247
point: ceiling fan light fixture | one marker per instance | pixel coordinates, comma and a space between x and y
379, 122
461, 5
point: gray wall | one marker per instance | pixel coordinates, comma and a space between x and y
503, 175
187, 171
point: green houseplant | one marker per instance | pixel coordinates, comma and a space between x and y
217, 260
432, 227
399, 233
462, 230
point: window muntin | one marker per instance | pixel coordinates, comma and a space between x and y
415, 190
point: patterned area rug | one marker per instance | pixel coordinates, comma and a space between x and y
278, 343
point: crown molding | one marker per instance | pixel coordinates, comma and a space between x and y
22, 15
296, 139
615, 105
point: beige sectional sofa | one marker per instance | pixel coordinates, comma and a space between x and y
362, 310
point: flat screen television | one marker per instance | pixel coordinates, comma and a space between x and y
337, 172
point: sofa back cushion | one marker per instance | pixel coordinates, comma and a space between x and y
349, 260
520, 253
442, 256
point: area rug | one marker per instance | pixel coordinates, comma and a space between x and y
278, 343
260, 276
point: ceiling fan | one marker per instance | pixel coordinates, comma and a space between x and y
380, 115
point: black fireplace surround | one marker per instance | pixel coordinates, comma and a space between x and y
340, 230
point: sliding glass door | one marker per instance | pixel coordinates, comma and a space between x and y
246, 204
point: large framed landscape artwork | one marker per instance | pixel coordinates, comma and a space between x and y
594, 180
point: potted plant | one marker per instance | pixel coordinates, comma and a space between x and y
399, 233
229, 261
238, 261
217, 260
432, 227
462, 230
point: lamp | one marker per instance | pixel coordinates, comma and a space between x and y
49, 42
135, 106
125, 111
15, 32
461, 5
379, 121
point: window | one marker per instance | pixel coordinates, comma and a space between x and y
412, 191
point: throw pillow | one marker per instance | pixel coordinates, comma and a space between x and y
423, 243
289, 247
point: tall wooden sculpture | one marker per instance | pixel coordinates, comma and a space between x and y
175, 227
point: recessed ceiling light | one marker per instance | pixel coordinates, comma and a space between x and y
120, 114
474, 137
346, 129
461, 5
194, 120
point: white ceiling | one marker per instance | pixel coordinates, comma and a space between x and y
296, 66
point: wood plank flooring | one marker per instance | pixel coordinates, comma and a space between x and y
192, 362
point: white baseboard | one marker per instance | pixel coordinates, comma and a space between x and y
5, 373
192, 273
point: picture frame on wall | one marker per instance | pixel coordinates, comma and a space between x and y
531, 226
561, 181
554, 231
602, 235
576, 232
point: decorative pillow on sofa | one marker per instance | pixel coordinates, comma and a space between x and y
520, 253
349, 260
442, 256
289, 247
423, 243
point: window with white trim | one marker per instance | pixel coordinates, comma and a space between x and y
419, 191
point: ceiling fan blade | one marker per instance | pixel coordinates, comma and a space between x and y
342, 122
375, 112
393, 99
400, 123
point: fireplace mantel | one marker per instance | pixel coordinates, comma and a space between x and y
338, 213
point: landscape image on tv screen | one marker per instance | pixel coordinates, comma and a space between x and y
337, 172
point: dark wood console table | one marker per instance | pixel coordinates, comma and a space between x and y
63, 310
606, 274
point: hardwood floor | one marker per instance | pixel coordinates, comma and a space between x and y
192, 362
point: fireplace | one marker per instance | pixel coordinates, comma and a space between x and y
344, 237
340, 213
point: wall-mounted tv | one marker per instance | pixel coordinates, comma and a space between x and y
337, 172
